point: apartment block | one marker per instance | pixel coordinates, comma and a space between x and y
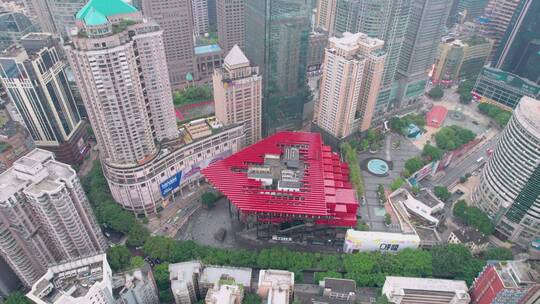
495, 21
231, 23
419, 290
34, 74
137, 286
238, 94
82, 281
46, 217
353, 69
192, 281
200, 17
326, 13
175, 18
276, 286
57, 16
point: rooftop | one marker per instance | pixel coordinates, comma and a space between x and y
340, 285
96, 12
325, 192
213, 274
426, 284
236, 58
71, 280
528, 110
206, 49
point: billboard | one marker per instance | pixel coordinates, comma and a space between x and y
359, 241
170, 184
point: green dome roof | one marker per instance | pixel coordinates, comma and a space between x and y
95, 12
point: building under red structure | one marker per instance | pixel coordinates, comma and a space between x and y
287, 177
436, 116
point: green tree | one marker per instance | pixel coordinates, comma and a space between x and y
453, 137
364, 144
17, 297
414, 164
119, 257
354, 170
209, 199
137, 236
465, 98
161, 275
436, 93
136, 262
159, 247
387, 219
396, 124
251, 298
362, 226
442, 193
396, 184
502, 118
431, 152
382, 299
498, 254
474, 217
454, 261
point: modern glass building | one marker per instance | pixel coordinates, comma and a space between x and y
12, 27
509, 189
277, 40
383, 19
502, 88
519, 52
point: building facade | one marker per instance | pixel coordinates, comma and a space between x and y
34, 75
508, 191
200, 17
231, 24
353, 70
471, 8
326, 14
83, 281
386, 20
495, 20
503, 89
459, 59
13, 26
471, 238
238, 94
209, 58
176, 20
46, 217
424, 31
15, 142
519, 52
419, 290
57, 16
277, 41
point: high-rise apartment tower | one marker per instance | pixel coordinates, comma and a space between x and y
231, 23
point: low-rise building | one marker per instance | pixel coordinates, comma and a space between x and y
473, 239
503, 89
229, 293
192, 281
137, 286
208, 58
506, 282
328, 291
420, 290
423, 205
276, 286
83, 281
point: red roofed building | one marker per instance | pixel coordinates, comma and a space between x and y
506, 282
436, 116
287, 177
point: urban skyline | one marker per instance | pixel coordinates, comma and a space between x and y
277, 151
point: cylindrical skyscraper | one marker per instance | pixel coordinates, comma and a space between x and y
509, 189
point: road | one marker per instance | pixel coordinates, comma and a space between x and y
466, 165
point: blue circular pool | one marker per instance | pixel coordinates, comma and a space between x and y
378, 166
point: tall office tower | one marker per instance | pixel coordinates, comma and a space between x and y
212, 13
238, 94
13, 26
508, 191
471, 8
495, 21
200, 17
326, 13
34, 75
519, 51
57, 16
277, 40
426, 24
175, 19
383, 19
83, 281
353, 68
230, 24
45, 216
